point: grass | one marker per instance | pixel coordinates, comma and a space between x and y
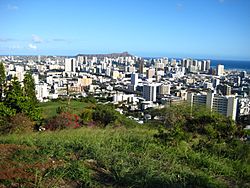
49, 108
117, 157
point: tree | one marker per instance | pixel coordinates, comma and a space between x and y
14, 95
16, 100
29, 88
104, 114
6, 111
2, 79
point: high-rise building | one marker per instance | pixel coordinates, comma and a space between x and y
243, 74
159, 65
208, 63
108, 72
41, 91
199, 65
129, 69
192, 68
94, 59
225, 105
80, 59
134, 79
237, 81
36, 78
85, 59
186, 63
215, 82
150, 73
141, 66
219, 70
203, 65
164, 89
149, 92
39, 58
224, 89
70, 65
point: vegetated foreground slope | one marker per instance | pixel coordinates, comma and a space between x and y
118, 157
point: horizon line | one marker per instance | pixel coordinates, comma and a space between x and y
152, 57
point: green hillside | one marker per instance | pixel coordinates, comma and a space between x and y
49, 108
119, 157
91, 145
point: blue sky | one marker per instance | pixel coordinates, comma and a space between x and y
216, 29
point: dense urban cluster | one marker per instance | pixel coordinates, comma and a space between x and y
118, 120
134, 83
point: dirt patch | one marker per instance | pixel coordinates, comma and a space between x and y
6, 150
21, 172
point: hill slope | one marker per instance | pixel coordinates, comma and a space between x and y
120, 157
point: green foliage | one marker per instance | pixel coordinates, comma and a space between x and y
87, 114
206, 132
62, 121
2, 79
197, 120
89, 99
194, 148
122, 157
16, 103
6, 111
174, 116
14, 96
104, 114
214, 126
52, 108
63, 109
29, 88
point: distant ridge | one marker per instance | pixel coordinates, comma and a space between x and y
112, 55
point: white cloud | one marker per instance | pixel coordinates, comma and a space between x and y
32, 46
36, 39
12, 7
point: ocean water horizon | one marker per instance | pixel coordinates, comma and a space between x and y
233, 64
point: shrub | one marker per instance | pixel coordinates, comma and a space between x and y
19, 123
62, 109
105, 114
62, 121
87, 115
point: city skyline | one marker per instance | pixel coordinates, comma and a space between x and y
215, 29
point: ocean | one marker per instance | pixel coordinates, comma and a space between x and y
232, 64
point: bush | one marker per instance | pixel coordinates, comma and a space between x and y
62, 121
19, 123
63, 109
87, 115
105, 114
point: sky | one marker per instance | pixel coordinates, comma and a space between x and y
215, 29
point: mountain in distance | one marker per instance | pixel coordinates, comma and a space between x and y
111, 55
